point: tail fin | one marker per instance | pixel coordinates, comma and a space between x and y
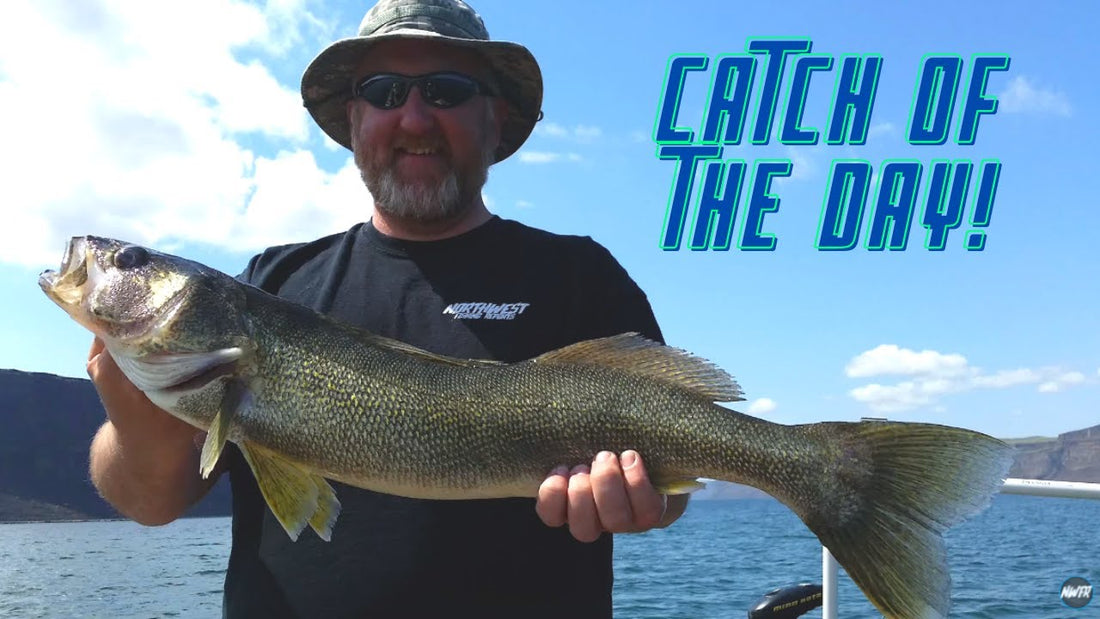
896, 487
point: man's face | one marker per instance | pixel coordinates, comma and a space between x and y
421, 162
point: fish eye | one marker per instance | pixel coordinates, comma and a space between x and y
130, 257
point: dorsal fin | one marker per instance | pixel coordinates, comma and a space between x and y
420, 353
633, 353
308, 314
409, 349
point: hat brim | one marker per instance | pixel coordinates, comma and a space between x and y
326, 84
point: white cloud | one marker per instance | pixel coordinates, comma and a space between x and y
880, 129
1072, 378
761, 406
1022, 96
586, 132
803, 166
930, 375
295, 200
892, 398
524, 204
1060, 382
536, 156
128, 124
892, 359
1007, 378
551, 129
578, 133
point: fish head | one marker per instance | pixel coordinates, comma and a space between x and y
141, 302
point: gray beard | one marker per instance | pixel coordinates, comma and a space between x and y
422, 202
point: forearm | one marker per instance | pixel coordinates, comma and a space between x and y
150, 480
143, 461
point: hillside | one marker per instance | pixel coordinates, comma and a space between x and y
1073, 456
47, 423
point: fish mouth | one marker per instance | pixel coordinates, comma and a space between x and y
66, 285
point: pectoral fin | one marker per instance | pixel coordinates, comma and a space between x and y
294, 495
236, 398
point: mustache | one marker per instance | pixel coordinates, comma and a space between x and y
433, 145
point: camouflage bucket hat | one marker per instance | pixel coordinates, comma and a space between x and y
326, 83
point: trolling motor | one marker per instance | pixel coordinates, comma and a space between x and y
787, 602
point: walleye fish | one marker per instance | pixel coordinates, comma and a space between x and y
308, 399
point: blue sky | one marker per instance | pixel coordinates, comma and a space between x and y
189, 136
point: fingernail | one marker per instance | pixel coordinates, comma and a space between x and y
629, 458
579, 469
560, 470
604, 456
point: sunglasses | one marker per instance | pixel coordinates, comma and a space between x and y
387, 91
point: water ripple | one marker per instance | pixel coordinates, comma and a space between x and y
717, 561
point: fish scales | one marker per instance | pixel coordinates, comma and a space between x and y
438, 428
307, 399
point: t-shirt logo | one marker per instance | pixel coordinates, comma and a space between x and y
485, 311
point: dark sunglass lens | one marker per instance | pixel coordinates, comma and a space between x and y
386, 92
447, 90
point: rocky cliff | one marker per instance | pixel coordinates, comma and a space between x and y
1073, 456
46, 425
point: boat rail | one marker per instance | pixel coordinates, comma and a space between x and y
1033, 487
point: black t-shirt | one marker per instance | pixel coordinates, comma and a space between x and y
502, 291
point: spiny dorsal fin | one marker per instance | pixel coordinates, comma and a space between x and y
633, 353
411, 350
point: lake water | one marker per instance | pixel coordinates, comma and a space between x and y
716, 561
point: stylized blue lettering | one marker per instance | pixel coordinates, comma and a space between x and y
842, 213
686, 157
718, 205
976, 101
934, 101
777, 52
792, 132
853, 102
665, 132
943, 207
897, 198
983, 203
762, 201
729, 99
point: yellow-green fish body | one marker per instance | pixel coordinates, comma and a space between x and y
309, 399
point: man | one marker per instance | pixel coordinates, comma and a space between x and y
427, 103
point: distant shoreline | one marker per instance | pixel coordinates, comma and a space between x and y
717, 498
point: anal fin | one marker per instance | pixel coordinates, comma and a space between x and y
295, 496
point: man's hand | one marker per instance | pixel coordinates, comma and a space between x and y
614, 494
124, 403
142, 460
